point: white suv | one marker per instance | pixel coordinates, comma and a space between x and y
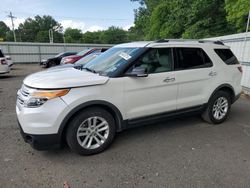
129, 84
4, 67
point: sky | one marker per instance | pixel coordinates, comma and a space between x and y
87, 15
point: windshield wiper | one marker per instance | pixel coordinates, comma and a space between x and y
88, 69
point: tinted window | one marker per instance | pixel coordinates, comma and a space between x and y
112, 60
190, 58
227, 56
1, 53
156, 60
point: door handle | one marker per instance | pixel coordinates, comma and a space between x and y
212, 73
168, 79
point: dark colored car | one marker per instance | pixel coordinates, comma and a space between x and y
73, 58
46, 63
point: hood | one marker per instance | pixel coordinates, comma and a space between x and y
61, 67
63, 78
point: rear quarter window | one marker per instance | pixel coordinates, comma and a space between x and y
227, 56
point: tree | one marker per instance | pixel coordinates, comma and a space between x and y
207, 18
72, 35
42, 36
182, 19
3, 30
38, 26
91, 37
114, 35
168, 19
237, 13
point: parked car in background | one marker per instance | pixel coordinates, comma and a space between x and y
80, 62
9, 60
73, 58
4, 67
53, 61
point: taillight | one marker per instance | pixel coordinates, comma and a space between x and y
240, 69
3, 62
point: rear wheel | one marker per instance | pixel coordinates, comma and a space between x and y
91, 131
218, 108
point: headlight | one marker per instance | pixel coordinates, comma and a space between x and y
39, 97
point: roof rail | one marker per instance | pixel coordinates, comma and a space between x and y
189, 40
212, 41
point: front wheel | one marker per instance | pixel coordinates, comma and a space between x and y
91, 131
218, 108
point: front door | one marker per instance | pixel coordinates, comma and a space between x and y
155, 93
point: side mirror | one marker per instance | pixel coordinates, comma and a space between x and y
137, 72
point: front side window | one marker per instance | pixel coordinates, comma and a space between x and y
227, 56
191, 58
111, 60
155, 60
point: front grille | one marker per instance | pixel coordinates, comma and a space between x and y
23, 95
20, 101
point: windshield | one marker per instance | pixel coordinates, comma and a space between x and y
58, 55
86, 59
82, 52
111, 60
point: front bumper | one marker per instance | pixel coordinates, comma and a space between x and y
4, 69
41, 142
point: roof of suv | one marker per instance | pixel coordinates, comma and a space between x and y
171, 42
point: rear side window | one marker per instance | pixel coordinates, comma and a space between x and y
227, 56
191, 58
1, 53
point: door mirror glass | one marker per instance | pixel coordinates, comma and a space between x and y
137, 72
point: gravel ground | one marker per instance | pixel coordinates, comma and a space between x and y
183, 152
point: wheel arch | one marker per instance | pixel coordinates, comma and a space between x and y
225, 87
115, 112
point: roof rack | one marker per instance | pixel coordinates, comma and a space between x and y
189, 40
212, 41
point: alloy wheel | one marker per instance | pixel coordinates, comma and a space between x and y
93, 132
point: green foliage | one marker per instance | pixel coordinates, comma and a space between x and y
72, 35
237, 13
168, 20
91, 37
189, 18
37, 29
3, 30
113, 35
206, 18
42, 36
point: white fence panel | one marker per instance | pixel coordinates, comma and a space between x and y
22, 52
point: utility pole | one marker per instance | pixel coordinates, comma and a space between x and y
13, 28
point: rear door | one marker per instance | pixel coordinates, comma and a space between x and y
194, 74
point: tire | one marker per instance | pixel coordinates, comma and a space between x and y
83, 129
46, 65
218, 108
